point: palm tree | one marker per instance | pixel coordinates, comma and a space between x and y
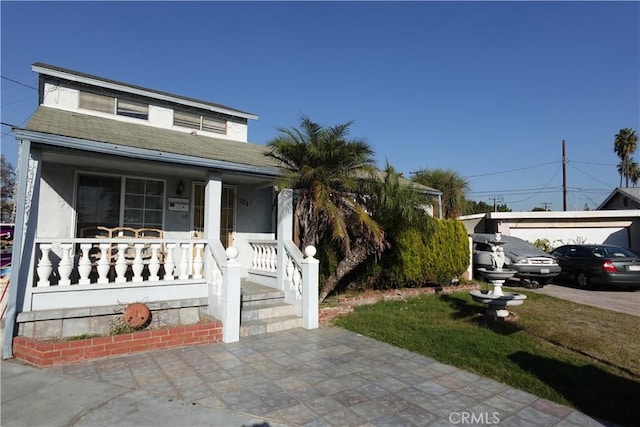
624, 145
452, 185
326, 170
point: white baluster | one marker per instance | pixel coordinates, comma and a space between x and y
84, 265
289, 270
44, 266
264, 260
198, 263
138, 266
273, 258
297, 279
168, 262
184, 262
65, 266
121, 263
254, 259
103, 263
258, 256
154, 263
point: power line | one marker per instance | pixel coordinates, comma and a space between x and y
512, 170
19, 83
592, 177
591, 163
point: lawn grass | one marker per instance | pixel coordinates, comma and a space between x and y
572, 354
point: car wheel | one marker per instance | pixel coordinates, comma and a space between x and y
544, 282
582, 280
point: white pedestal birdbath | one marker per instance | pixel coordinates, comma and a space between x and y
497, 300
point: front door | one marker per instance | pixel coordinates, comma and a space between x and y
227, 213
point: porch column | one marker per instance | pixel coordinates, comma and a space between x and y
284, 232
27, 202
212, 206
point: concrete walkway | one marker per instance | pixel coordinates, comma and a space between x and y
324, 377
620, 300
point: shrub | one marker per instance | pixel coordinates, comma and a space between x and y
420, 258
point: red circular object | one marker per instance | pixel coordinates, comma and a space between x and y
136, 315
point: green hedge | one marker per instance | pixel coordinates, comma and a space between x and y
420, 258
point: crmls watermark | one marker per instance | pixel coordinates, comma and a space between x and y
482, 418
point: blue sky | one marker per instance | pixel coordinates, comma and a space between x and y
488, 89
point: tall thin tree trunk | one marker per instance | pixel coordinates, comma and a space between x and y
354, 259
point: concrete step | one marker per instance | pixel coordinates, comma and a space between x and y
266, 310
263, 326
254, 294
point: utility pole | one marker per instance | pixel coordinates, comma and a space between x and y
564, 178
495, 200
546, 206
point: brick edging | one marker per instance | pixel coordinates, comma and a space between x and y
347, 304
47, 353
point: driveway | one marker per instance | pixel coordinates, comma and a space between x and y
622, 301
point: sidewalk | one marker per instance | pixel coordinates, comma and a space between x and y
324, 377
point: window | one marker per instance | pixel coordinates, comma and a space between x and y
112, 201
113, 105
143, 203
96, 102
195, 121
137, 110
186, 120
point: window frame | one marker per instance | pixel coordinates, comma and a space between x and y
200, 121
137, 109
122, 198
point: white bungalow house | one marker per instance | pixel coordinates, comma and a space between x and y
128, 194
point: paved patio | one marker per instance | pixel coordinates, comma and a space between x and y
326, 377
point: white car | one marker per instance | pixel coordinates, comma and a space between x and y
534, 266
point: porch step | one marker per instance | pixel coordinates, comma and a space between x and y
267, 310
263, 310
276, 324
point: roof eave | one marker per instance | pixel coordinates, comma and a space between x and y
96, 81
140, 153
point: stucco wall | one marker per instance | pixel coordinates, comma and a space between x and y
255, 209
55, 213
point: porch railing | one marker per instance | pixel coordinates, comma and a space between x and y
176, 268
82, 261
299, 278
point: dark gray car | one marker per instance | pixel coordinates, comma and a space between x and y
533, 265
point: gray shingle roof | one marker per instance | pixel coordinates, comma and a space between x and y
53, 121
82, 126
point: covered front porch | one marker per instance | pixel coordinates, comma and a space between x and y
214, 230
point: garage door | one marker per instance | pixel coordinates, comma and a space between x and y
558, 236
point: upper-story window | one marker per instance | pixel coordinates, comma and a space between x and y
114, 105
199, 122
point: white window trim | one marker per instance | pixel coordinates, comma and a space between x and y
74, 219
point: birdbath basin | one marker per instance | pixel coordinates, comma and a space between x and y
497, 300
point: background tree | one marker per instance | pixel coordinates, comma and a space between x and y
8, 183
624, 145
327, 172
474, 207
452, 185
